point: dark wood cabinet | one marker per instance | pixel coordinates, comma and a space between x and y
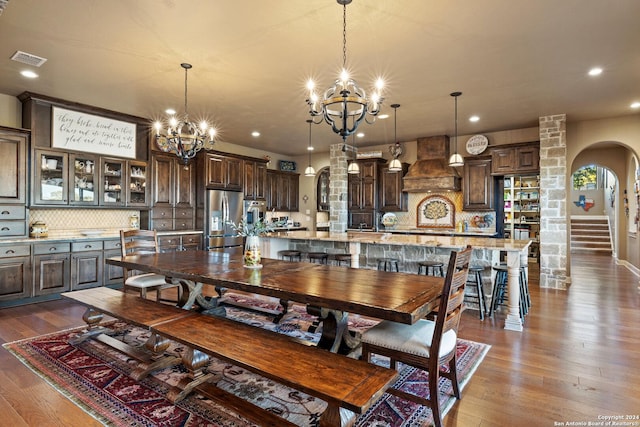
112, 274
13, 174
173, 201
515, 159
87, 263
255, 180
283, 191
477, 183
13, 179
363, 194
223, 173
392, 198
15, 271
52, 268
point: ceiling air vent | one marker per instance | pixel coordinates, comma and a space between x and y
29, 59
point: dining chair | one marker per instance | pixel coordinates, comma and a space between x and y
426, 344
141, 242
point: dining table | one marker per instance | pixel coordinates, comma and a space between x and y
329, 292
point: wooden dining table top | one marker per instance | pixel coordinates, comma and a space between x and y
399, 297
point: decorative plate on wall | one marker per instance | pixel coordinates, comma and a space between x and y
436, 212
477, 144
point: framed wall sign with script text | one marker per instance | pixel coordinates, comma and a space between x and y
73, 130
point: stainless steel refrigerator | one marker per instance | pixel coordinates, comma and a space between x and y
222, 207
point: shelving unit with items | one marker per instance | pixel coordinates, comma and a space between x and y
522, 209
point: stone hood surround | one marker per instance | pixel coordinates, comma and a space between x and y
431, 171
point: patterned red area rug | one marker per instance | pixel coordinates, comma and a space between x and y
96, 378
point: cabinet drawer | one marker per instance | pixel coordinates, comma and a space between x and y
162, 213
162, 224
183, 224
13, 228
12, 212
112, 244
94, 245
184, 213
51, 248
15, 250
168, 241
191, 240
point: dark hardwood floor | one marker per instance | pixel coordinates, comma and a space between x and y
576, 361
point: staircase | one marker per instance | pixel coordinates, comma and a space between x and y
590, 234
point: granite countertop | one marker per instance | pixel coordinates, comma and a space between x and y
453, 242
62, 235
434, 231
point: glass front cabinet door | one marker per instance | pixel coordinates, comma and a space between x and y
137, 194
51, 178
113, 181
83, 182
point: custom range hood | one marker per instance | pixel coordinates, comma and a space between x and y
431, 172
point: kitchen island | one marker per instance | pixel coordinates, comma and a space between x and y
367, 247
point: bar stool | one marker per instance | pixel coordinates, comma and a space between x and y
320, 257
342, 258
475, 280
434, 266
500, 290
388, 264
291, 255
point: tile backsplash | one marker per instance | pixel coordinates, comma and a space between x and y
63, 220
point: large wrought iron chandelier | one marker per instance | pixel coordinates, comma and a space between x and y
183, 137
345, 99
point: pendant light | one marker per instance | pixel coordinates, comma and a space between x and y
310, 171
456, 159
354, 167
396, 149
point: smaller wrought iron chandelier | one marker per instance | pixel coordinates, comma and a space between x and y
456, 159
345, 99
396, 149
310, 171
183, 137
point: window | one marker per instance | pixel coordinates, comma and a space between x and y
586, 178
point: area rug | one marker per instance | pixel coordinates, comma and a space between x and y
95, 377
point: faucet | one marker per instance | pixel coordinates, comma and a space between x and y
362, 224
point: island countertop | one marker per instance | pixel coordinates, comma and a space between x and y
452, 242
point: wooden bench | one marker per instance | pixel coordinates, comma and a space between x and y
349, 386
136, 311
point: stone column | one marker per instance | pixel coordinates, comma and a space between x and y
553, 202
338, 187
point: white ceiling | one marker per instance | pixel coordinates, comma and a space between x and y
514, 61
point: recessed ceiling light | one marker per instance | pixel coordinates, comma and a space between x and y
255, 134
360, 135
596, 71
310, 148
474, 118
29, 74
170, 111
383, 116
635, 104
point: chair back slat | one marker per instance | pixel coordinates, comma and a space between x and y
452, 299
138, 242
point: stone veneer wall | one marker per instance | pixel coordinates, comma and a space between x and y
553, 202
338, 163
